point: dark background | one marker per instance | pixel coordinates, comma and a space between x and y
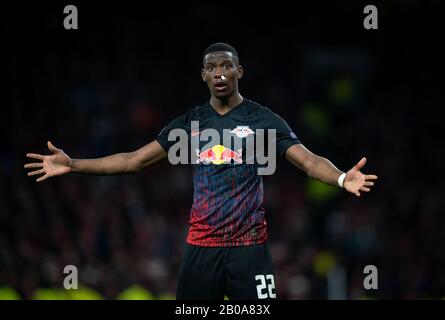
130, 68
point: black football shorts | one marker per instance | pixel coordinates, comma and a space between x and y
244, 272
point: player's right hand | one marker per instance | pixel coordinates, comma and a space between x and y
51, 165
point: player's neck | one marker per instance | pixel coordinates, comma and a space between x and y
226, 104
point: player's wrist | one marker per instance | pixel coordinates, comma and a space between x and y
341, 180
72, 165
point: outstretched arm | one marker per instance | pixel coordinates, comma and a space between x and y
322, 169
59, 163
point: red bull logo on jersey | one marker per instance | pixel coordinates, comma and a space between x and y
241, 145
219, 154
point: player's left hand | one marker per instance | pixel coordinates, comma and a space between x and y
355, 181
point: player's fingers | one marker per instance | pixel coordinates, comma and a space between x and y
51, 147
357, 194
360, 164
35, 156
371, 177
369, 183
33, 165
36, 172
42, 178
365, 189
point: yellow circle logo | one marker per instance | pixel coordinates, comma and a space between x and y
218, 151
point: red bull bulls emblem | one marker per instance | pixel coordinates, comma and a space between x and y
219, 154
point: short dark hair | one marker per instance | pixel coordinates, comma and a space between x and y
220, 46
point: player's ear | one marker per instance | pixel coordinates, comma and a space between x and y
203, 75
240, 71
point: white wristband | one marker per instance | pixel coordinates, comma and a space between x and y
341, 179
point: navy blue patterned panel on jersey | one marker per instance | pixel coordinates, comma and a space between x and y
227, 208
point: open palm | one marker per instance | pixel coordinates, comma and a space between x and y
51, 165
356, 181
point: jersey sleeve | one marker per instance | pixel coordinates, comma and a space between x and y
178, 123
285, 137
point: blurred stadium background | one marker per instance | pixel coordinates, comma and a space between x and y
113, 84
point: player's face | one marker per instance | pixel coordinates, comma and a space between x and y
217, 65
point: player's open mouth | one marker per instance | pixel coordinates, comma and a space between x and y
220, 86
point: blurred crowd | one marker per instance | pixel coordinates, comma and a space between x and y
110, 89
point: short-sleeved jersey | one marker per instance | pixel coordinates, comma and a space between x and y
227, 207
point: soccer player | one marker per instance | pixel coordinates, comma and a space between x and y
227, 251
